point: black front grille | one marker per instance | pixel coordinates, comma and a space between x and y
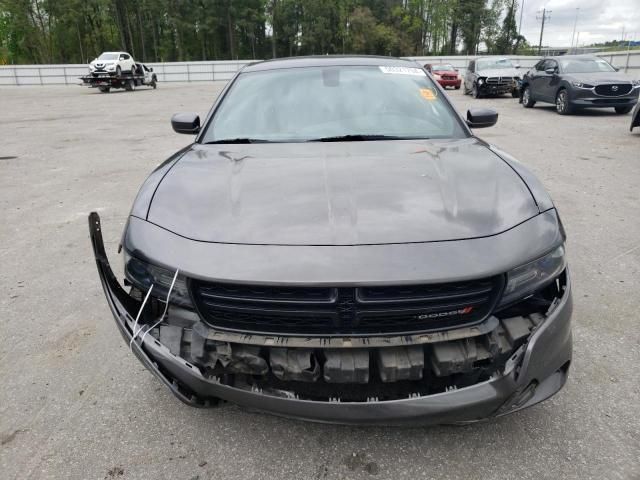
345, 310
613, 90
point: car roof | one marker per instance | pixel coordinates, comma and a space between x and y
582, 56
330, 60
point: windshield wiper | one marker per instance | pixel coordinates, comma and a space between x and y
358, 138
238, 140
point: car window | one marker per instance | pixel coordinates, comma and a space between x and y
472, 65
585, 65
550, 64
301, 104
125, 56
443, 68
493, 63
540, 66
108, 56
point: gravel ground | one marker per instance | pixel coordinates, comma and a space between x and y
76, 404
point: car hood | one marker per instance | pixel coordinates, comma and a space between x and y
346, 193
500, 72
597, 78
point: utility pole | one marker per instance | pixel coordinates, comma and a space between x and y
521, 12
545, 16
575, 23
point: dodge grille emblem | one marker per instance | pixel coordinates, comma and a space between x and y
614, 88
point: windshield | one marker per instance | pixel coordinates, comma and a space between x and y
493, 63
585, 65
314, 103
445, 68
108, 56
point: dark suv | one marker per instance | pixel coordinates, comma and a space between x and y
356, 255
579, 81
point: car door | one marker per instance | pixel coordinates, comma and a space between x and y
127, 63
549, 81
536, 80
468, 75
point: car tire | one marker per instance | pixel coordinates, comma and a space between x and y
563, 106
465, 91
475, 93
130, 85
515, 94
527, 101
458, 87
118, 71
154, 82
104, 89
623, 110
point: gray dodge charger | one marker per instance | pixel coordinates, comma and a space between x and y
337, 245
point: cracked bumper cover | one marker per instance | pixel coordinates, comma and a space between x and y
535, 372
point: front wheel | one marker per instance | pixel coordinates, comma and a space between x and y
623, 110
563, 107
515, 93
527, 101
118, 71
475, 93
104, 89
457, 87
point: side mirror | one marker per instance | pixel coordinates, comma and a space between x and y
481, 117
188, 123
550, 71
151, 69
617, 69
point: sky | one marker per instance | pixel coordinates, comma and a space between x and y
598, 21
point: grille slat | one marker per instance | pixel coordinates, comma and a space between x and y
344, 310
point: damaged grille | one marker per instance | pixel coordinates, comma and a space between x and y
345, 310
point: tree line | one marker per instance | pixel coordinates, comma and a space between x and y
76, 31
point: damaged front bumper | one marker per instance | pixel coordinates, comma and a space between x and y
534, 354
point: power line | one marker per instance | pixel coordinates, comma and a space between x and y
545, 16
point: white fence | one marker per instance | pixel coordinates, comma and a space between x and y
223, 70
166, 72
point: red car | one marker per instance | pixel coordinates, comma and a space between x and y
445, 75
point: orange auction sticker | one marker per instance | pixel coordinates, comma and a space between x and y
427, 94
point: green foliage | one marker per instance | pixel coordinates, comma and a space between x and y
75, 31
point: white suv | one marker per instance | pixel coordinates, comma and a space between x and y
112, 62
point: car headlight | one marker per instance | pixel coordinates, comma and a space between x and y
581, 85
480, 81
635, 83
142, 275
526, 279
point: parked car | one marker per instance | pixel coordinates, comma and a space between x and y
113, 63
573, 82
445, 74
492, 76
635, 117
382, 267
